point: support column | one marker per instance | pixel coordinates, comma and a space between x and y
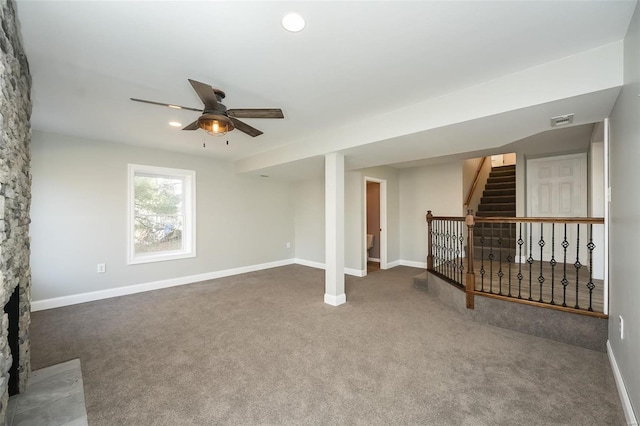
334, 229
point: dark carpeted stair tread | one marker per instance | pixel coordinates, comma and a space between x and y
501, 199
497, 206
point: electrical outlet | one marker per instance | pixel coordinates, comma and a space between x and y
288, 245
102, 268
621, 326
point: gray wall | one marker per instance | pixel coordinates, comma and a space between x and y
624, 237
309, 220
437, 188
79, 216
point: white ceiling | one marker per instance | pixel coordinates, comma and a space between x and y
354, 60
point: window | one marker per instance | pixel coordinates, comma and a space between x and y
161, 214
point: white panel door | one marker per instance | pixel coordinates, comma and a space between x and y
557, 187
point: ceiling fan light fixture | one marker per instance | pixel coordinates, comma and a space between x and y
293, 22
215, 125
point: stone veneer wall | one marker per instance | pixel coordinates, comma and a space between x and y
15, 192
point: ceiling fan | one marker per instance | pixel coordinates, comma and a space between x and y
216, 119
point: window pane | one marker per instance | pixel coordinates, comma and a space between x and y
159, 215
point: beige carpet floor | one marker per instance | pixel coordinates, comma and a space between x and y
263, 348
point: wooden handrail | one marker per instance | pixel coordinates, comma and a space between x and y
475, 183
587, 220
495, 219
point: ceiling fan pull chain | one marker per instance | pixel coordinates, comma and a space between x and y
227, 142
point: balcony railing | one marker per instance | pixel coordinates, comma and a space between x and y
556, 263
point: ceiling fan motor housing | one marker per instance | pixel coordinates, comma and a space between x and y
215, 123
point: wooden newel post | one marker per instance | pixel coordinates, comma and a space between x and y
430, 241
470, 278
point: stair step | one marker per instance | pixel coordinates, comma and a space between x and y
495, 241
498, 179
496, 206
498, 199
505, 230
502, 168
496, 173
500, 185
497, 213
499, 192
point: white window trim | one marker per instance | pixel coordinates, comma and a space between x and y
189, 231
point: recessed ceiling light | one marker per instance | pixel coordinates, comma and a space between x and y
293, 22
175, 124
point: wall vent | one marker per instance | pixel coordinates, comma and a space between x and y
561, 120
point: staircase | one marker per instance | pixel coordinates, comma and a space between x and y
499, 196
498, 200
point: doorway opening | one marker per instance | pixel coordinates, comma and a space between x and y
375, 224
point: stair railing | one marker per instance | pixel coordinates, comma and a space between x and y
475, 183
555, 263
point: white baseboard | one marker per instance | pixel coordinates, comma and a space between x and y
393, 264
318, 265
413, 264
57, 302
355, 272
309, 263
373, 259
622, 389
74, 299
332, 300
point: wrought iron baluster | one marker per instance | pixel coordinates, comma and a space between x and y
436, 246
440, 246
553, 262
541, 276
491, 256
565, 281
520, 276
530, 258
509, 257
449, 271
500, 273
482, 270
461, 240
590, 284
452, 250
577, 265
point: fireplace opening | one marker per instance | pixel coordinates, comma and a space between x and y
12, 309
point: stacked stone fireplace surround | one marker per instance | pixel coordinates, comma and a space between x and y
15, 197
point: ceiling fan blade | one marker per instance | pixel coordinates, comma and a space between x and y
192, 126
168, 105
206, 94
255, 113
244, 127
